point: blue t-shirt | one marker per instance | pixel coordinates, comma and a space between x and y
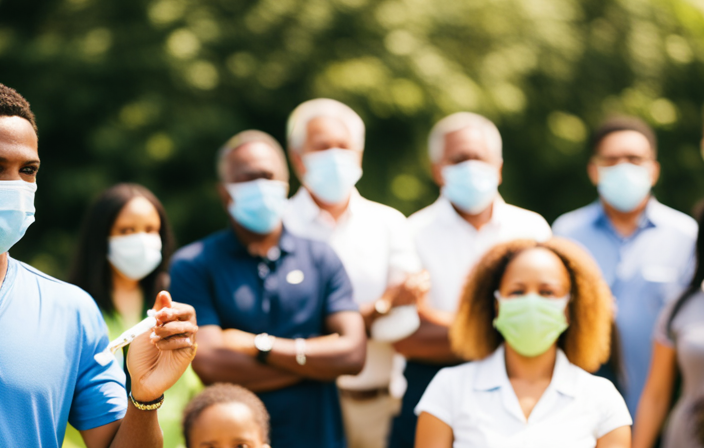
289, 294
48, 375
644, 271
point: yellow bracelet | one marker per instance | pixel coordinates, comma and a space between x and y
149, 406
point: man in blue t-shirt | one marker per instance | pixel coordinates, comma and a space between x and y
53, 330
276, 312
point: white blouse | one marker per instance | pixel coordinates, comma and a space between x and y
478, 402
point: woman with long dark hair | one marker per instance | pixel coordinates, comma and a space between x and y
123, 250
678, 347
123, 253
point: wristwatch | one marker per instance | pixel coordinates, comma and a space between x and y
263, 343
382, 306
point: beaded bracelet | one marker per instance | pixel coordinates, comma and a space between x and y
149, 405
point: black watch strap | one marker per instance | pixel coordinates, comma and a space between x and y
262, 356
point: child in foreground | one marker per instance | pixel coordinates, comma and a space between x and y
226, 416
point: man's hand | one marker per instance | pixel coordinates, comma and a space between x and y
413, 290
156, 362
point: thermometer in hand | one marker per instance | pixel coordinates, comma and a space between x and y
107, 355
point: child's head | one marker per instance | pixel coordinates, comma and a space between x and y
226, 416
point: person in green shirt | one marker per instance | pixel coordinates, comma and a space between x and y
123, 252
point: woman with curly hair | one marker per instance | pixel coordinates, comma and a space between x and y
533, 317
678, 347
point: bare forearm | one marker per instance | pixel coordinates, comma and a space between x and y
649, 419
326, 357
430, 343
139, 429
224, 365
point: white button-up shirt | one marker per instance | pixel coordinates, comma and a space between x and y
449, 246
375, 246
478, 402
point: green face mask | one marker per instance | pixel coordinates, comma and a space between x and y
530, 324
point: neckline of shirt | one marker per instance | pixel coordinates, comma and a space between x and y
286, 243
497, 213
8, 281
649, 217
310, 211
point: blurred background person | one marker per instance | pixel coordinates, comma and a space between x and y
678, 349
124, 247
645, 249
532, 317
275, 311
226, 416
325, 145
468, 218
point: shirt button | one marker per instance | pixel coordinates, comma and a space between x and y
274, 253
263, 270
270, 283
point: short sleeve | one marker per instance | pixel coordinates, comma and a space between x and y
100, 397
191, 284
661, 334
403, 258
438, 398
613, 413
338, 287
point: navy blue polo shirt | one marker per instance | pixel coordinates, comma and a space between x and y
288, 294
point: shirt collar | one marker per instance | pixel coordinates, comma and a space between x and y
649, 217
287, 243
449, 214
308, 211
491, 373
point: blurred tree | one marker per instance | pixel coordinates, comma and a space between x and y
146, 91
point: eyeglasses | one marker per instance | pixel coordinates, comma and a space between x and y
614, 160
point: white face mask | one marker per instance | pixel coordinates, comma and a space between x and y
135, 255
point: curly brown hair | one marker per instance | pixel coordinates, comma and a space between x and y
586, 342
225, 393
12, 104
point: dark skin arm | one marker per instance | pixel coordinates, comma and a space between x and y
430, 343
215, 362
155, 364
230, 355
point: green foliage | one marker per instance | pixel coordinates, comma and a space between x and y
146, 91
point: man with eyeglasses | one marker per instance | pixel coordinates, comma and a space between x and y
644, 248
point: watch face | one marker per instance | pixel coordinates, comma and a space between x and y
263, 342
382, 306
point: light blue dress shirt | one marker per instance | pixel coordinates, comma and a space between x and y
644, 270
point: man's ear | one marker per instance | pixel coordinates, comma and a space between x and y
436, 170
297, 163
501, 169
593, 173
655, 173
225, 198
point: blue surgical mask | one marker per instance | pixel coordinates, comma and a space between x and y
331, 174
258, 205
471, 185
16, 211
624, 186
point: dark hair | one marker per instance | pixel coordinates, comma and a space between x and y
225, 393
696, 283
91, 269
12, 104
625, 123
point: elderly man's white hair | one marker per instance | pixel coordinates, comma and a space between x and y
297, 127
462, 120
243, 138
